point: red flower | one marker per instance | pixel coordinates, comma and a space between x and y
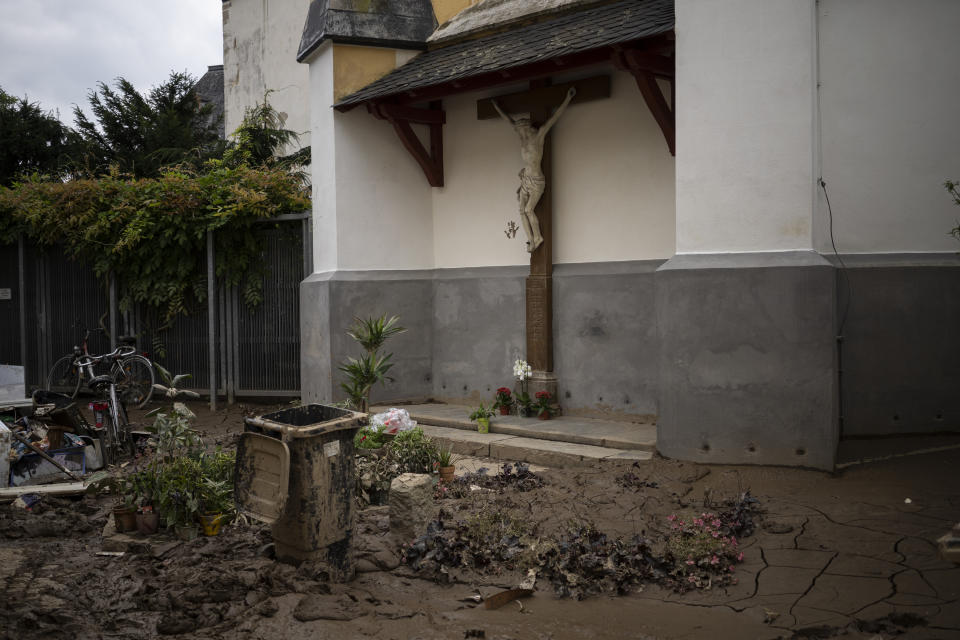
542, 395
504, 391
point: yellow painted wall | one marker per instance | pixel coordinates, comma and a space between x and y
446, 9
355, 67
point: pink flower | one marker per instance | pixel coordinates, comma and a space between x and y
740, 557
690, 561
716, 523
730, 569
715, 534
692, 579
671, 517
714, 560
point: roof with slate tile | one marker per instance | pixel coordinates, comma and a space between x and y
567, 34
403, 24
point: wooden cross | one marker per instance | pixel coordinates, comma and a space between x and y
540, 101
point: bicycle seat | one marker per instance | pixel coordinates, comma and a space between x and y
100, 382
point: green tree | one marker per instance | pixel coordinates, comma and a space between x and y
140, 134
31, 140
261, 138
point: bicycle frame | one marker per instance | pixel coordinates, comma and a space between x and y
118, 436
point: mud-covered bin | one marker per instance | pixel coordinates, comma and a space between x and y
295, 471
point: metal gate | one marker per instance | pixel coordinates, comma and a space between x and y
257, 348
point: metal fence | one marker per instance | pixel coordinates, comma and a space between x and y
52, 300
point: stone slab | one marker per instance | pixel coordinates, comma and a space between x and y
576, 430
513, 448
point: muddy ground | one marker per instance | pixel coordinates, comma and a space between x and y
849, 555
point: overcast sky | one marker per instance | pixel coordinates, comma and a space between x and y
55, 51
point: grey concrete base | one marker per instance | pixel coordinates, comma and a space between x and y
466, 327
747, 359
329, 302
605, 339
901, 344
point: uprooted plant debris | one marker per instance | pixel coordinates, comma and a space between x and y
516, 478
697, 551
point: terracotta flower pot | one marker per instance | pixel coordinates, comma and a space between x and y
148, 523
504, 411
544, 416
446, 473
125, 519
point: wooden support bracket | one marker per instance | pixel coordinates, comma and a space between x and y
401, 117
646, 67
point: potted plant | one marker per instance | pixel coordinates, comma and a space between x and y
445, 466
216, 499
144, 484
504, 401
481, 415
524, 405
124, 514
522, 372
369, 441
544, 406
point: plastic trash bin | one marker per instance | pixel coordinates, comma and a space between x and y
295, 471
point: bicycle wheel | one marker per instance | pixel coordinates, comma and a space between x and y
121, 425
64, 377
134, 381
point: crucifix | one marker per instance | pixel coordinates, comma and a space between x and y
544, 103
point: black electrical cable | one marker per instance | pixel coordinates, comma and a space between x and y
843, 266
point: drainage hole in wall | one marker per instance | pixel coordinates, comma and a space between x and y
939, 416
705, 447
464, 387
626, 399
896, 417
566, 394
801, 451
751, 448
600, 399
443, 386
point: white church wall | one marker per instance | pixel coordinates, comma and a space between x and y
613, 185
889, 100
745, 110
383, 199
323, 161
260, 42
481, 160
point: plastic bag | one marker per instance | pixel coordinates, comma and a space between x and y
392, 421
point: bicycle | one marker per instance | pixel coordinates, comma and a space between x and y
132, 372
110, 417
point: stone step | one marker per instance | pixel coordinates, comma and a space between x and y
549, 453
562, 429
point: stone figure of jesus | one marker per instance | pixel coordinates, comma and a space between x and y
532, 180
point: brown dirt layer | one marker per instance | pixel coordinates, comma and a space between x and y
831, 556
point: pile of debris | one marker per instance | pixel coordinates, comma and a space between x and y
516, 478
695, 551
54, 443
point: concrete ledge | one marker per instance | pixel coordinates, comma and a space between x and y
512, 448
464, 443
575, 430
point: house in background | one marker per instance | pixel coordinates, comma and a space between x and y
749, 228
